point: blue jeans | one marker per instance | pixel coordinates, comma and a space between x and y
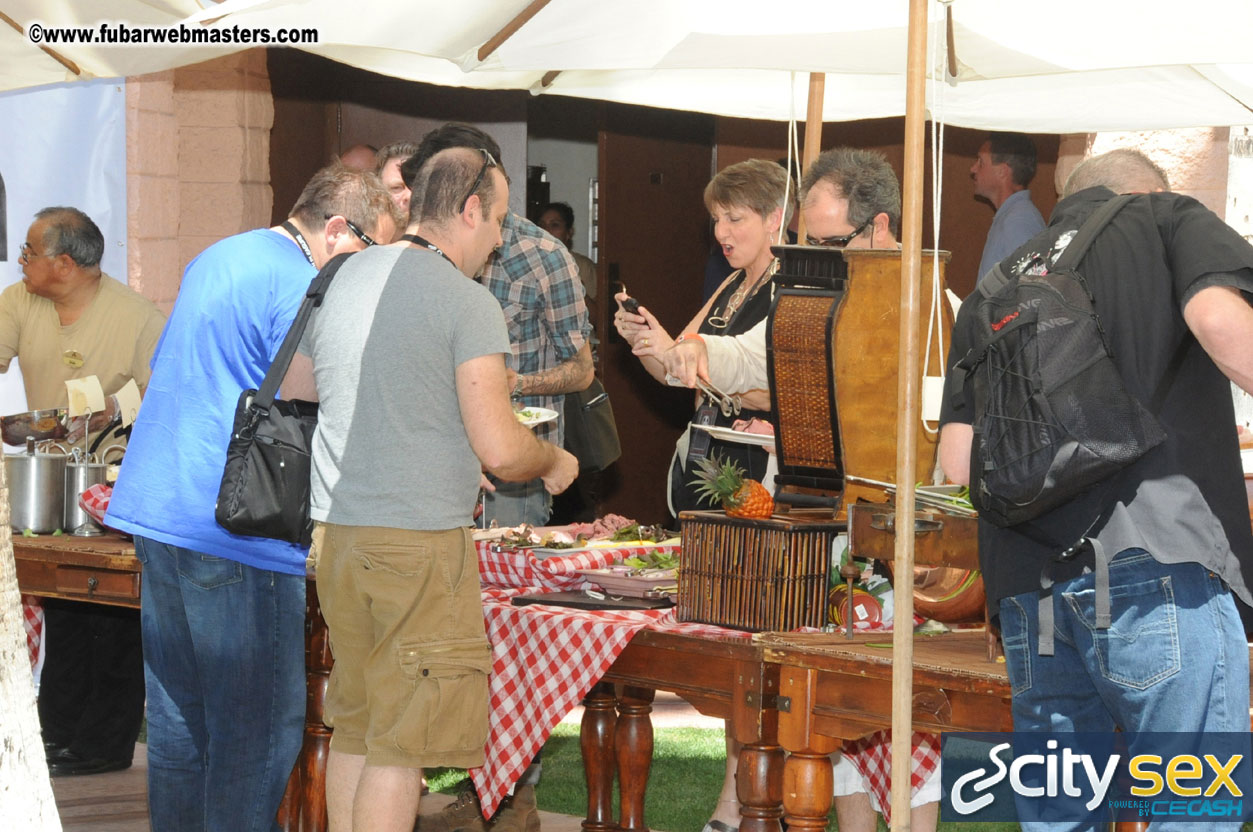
1174, 659
224, 665
514, 503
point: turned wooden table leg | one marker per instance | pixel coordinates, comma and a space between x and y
634, 741
807, 777
754, 723
596, 739
303, 808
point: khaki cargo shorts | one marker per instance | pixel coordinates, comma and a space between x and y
409, 685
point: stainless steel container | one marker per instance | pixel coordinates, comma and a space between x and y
36, 489
79, 476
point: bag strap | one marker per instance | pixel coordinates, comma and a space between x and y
1087, 232
313, 297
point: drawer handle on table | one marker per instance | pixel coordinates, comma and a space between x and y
92, 583
887, 523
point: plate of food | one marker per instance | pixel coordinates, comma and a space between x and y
742, 437
631, 582
532, 416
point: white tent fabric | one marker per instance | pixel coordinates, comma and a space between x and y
1065, 66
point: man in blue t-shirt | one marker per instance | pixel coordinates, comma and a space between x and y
1001, 172
223, 615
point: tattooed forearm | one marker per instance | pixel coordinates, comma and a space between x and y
567, 377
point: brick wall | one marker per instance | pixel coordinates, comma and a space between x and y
198, 150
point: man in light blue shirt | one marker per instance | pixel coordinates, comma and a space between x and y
1001, 173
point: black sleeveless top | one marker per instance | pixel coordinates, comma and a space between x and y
749, 457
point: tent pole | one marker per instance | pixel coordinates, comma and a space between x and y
813, 132
51, 53
519, 20
907, 418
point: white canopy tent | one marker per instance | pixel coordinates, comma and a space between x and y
1080, 67
1062, 67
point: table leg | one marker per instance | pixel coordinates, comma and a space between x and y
303, 808
755, 724
634, 740
807, 777
596, 739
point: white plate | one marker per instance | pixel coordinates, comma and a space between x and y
728, 435
538, 416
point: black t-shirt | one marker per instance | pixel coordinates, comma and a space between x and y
1185, 499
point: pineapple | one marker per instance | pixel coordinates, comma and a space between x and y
718, 481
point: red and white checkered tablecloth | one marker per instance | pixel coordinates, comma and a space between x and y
33, 622
521, 569
544, 661
872, 757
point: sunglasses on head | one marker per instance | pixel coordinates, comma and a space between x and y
489, 161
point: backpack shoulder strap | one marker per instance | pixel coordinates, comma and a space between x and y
993, 281
1088, 231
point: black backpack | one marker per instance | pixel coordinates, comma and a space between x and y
1052, 416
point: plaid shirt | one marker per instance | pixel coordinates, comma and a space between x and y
537, 284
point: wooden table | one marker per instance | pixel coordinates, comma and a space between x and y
720, 677
803, 694
104, 570
832, 689
101, 570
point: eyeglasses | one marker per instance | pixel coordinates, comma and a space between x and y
27, 253
365, 238
352, 226
838, 242
488, 162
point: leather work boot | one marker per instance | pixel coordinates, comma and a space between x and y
463, 813
517, 813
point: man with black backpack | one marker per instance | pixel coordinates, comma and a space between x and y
1115, 601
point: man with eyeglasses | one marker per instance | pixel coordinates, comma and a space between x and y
397, 569
849, 199
223, 614
68, 320
537, 284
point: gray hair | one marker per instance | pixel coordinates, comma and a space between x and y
337, 190
864, 178
70, 231
395, 150
444, 182
1123, 171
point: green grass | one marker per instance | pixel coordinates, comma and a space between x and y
683, 783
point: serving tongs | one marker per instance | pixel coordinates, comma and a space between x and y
729, 405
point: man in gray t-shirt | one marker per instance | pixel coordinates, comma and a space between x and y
408, 364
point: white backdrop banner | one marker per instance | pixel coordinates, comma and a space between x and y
63, 144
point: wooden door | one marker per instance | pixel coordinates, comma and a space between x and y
654, 237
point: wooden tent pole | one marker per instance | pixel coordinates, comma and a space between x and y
508, 30
813, 132
907, 393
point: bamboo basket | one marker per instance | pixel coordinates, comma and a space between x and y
755, 575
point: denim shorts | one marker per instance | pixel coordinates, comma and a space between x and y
409, 684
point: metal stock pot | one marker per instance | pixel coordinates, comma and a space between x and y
36, 489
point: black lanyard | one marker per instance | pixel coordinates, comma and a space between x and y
291, 229
422, 241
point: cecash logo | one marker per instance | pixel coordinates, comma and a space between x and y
1088, 778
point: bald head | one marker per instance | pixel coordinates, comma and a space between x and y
1123, 171
360, 157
